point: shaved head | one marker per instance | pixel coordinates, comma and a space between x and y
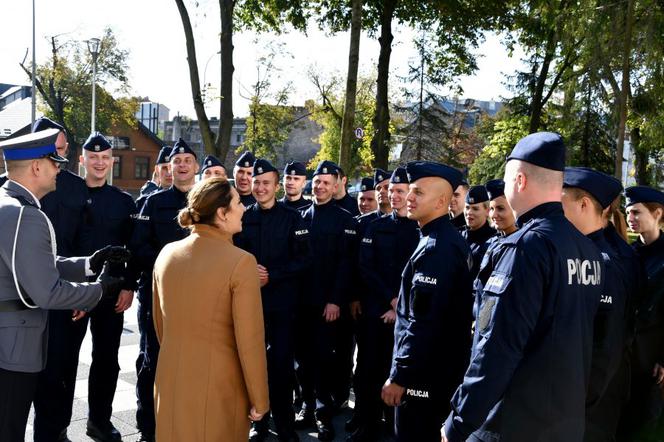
428, 199
527, 185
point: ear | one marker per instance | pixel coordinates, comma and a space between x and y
521, 181
81, 159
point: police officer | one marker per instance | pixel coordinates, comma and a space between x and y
276, 235
155, 227
381, 185
587, 194
109, 219
295, 178
332, 232
162, 177
457, 205
385, 247
212, 168
539, 293
65, 208
341, 197
434, 311
33, 276
477, 230
366, 197
500, 211
242, 173
645, 211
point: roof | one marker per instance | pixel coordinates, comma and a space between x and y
151, 135
15, 116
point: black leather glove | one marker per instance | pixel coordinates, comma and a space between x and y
110, 285
112, 254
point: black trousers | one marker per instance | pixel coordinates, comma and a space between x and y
375, 341
344, 348
146, 367
420, 419
602, 419
639, 419
17, 390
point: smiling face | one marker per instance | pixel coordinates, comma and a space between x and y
428, 198
184, 168
264, 188
366, 201
458, 199
382, 194
501, 214
214, 172
242, 176
293, 185
97, 164
324, 188
397, 194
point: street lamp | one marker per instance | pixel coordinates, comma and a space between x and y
94, 44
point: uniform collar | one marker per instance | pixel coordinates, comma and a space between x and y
21, 189
657, 244
486, 231
435, 224
541, 211
596, 236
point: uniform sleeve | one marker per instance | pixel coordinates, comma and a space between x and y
249, 331
72, 269
37, 273
511, 304
142, 239
346, 260
299, 254
373, 280
132, 271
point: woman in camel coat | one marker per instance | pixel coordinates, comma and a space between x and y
211, 377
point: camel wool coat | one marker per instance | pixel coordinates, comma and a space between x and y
209, 321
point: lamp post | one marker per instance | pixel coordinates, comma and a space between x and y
94, 44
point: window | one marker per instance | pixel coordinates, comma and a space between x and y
142, 168
120, 143
238, 138
117, 167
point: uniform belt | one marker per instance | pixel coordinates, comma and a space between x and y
12, 305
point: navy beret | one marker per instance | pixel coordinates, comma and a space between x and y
210, 161
643, 194
423, 169
604, 188
495, 188
399, 176
164, 155
32, 146
181, 147
366, 184
46, 123
543, 149
326, 167
381, 175
477, 194
96, 142
247, 159
295, 168
262, 166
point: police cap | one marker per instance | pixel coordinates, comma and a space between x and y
44, 123
604, 188
295, 168
96, 142
381, 175
423, 169
326, 167
210, 161
247, 159
477, 194
367, 183
495, 188
543, 149
164, 155
32, 146
399, 176
262, 166
643, 194
181, 146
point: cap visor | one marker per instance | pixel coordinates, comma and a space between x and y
57, 158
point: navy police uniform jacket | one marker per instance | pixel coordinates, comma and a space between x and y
459, 222
478, 241
528, 375
299, 204
148, 189
348, 203
279, 240
247, 200
385, 247
333, 233
432, 333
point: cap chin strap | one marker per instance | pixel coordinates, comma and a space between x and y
18, 287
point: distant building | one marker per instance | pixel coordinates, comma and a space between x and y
152, 115
15, 108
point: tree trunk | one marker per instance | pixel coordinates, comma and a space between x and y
585, 143
624, 90
381, 120
640, 158
207, 135
223, 143
351, 87
536, 104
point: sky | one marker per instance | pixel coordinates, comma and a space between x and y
152, 32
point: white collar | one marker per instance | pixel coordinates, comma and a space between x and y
27, 190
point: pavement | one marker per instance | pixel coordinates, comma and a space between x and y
124, 403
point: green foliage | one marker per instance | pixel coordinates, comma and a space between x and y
268, 126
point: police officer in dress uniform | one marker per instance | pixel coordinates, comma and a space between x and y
645, 211
333, 234
66, 208
162, 177
477, 231
457, 205
276, 235
295, 178
242, 173
33, 276
109, 218
155, 227
386, 245
212, 168
434, 309
540, 290
341, 197
366, 197
587, 195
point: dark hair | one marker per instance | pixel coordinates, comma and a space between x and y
652, 207
617, 218
203, 201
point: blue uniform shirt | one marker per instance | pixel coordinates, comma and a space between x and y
540, 290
